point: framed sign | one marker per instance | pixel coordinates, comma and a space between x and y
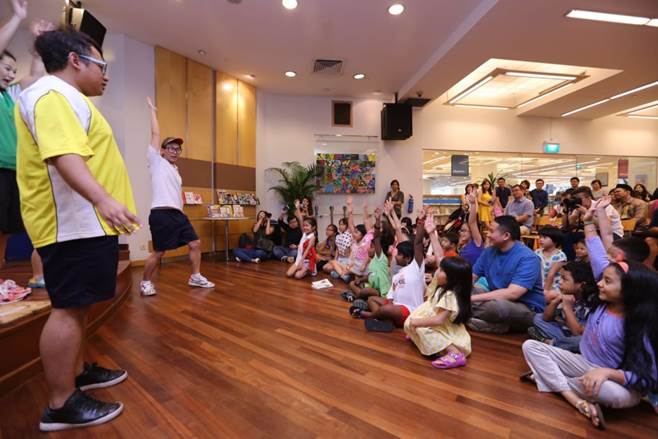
459, 166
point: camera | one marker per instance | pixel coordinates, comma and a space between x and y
268, 214
570, 204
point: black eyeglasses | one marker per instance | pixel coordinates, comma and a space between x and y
174, 149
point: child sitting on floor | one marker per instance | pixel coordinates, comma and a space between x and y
306, 254
437, 326
566, 312
406, 292
358, 263
449, 242
327, 249
379, 278
343, 240
618, 348
550, 238
580, 249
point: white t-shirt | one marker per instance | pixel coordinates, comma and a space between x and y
408, 286
615, 220
166, 182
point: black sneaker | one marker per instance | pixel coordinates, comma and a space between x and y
96, 377
80, 410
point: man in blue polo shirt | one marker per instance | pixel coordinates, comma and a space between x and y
508, 289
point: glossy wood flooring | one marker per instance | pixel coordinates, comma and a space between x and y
263, 356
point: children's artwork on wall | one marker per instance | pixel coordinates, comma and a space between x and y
346, 173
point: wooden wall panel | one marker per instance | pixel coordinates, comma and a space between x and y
170, 74
199, 142
226, 148
246, 125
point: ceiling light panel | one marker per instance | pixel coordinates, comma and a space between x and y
608, 17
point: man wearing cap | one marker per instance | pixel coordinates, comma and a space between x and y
628, 206
170, 227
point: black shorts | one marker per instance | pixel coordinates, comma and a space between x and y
170, 229
81, 272
10, 203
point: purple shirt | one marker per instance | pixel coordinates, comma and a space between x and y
598, 257
471, 252
602, 342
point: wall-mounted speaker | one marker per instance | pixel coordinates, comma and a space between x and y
396, 122
82, 20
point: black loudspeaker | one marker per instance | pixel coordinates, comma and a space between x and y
83, 21
396, 122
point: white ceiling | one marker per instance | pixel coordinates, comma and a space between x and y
430, 47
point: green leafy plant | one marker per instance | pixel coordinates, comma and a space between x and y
493, 178
296, 181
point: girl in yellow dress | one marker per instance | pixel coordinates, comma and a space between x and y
437, 326
485, 201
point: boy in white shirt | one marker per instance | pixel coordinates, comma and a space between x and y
407, 288
170, 227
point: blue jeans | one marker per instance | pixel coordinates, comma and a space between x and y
283, 251
561, 338
247, 254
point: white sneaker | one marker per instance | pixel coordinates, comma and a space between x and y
256, 260
200, 281
147, 288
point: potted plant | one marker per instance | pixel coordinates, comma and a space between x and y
296, 181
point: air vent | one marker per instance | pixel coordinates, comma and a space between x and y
328, 66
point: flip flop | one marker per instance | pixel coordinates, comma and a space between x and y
357, 307
528, 377
348, 296
450, 361
375, 325
583, 407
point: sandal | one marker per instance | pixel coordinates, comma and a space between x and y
450, 361
584, 407
528, 377
348, 295
357, 307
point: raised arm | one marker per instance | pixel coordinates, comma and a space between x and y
350, 217
269, 229
430, 229
604, 222
155, 125
377, 235
419, 248
298, 213
8, 29
257, 225
473, 221
37, 69
393, 217
367, 220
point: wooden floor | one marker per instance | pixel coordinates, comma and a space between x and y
262, 356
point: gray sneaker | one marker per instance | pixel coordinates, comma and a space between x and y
200, 281
480, 325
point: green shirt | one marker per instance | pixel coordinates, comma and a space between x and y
378, 276
8, 128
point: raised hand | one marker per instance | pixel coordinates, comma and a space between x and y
430, 226
349, 201
20, 8
603, 202
297, 204
378, 213
37, 27
422, 213
471, 198
149, 102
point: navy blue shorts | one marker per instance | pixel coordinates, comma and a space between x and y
170, 229
10, 204
81, 272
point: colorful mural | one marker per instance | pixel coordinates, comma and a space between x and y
346, 173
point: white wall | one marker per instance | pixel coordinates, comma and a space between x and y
132, 78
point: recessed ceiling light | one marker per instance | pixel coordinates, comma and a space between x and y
359, 75
540, 76
470, 90
653, 23
396, 9
250, 76
201, 52
610, 18
602, 101
642, 87
290, 74
636, 116
339, 135
377, 92
289, 4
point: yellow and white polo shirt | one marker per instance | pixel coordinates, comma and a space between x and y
52, 119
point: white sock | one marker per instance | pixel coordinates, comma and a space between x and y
196, 276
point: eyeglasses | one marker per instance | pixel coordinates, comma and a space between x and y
174, 150
100, 63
